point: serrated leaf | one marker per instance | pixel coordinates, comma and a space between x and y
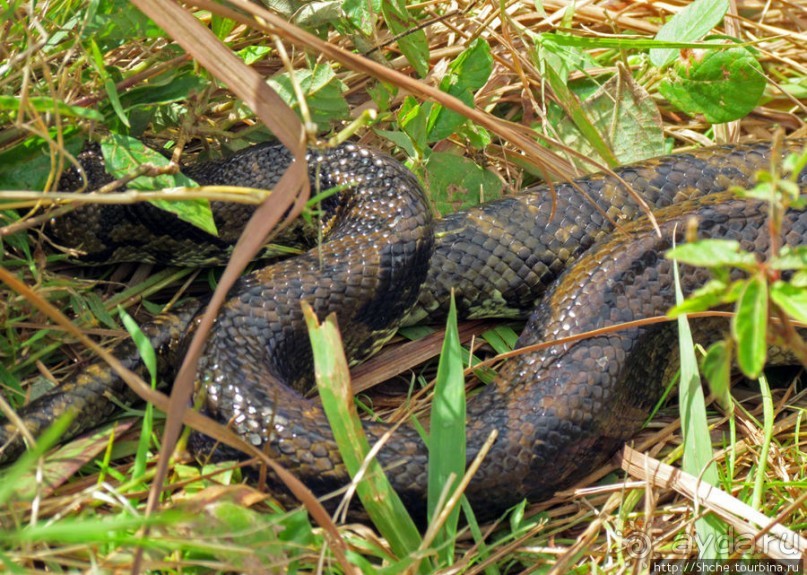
710, 253
691, 23
124, 154
723, 86
749, 327
792, 299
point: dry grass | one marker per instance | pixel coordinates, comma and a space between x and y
594, 528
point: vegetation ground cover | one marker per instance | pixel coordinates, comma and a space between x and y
550, 86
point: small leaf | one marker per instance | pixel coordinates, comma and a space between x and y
792, 299
791, 258
749, 326
412, 41
711, 253
322, 90
124, 154
691, 23
466, 74
707, 297
716, 367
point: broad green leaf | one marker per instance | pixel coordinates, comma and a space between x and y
447, 433
724, 85
124, 154
792, 299
362, 14
749, 326
252, 54
455, 182
27, 166
412, 118
712, 253
691, 23
624, 114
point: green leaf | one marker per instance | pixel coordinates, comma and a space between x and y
362, 14
712, 294
792, 299
501, 338
456, 182
165, 89
27, 166
111, 23
322, 90
412, 41
716, 367
49, 105
466, 74
723, 85
790, 258
626, 117
124, 154
749, 326
412, 118
447, 434
691, 23
252, 54
711, 253
109, 84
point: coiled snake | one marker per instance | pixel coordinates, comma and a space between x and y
559, 411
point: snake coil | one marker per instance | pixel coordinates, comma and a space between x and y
559, 412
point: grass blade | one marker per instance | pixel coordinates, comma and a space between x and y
380, 500
447, 438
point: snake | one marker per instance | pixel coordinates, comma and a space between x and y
569, 258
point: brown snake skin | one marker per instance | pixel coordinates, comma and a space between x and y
559, 412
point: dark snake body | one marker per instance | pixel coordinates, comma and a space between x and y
559, 412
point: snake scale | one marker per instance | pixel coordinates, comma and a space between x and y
386, 261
